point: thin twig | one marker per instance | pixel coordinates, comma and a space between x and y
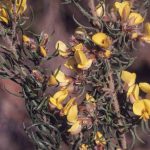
92, 7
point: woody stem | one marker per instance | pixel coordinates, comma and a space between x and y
123, 142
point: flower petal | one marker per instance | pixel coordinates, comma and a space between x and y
81, 59
72, 115
61, 78
76, 128
62, 48
138, 107
136, 92
147, 105
147, 28
68, 106
71, 63
100, 9
99, 139
61, 95
43, 51
78, 47
135, 19
145, 87
128, 78
123, 8
101, 39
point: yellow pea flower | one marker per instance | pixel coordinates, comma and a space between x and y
52, 81
131, 18
71, 63
146, 36
78, 47
135, 19
124, 9
21, 6
128, 78
133, 93
100, 9
43, 51
59, 77
107, 54
132, 88
26, 39
67, 107
145, 87
89, 98
83, 147
75, 128
58, 98
72, 115
99, 139
134, 35
102, 40
142, 109
147, 28
62, 48
82, 61
3, 15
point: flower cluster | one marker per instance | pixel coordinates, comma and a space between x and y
141, 105
5, 16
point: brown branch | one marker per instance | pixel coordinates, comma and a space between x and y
123, 141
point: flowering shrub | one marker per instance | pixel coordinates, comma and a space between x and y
96, 102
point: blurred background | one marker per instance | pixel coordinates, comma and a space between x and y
51, 16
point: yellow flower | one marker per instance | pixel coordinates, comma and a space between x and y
59, 77
132, 88
133, 93
131, 18
83, 147
75, 128
142, 109
124, 9
26, 39
78, 47
62, 48
147, 28
135, 19
43, 51
58, 98
89, 98
146, 36
72, 115
52, 81
107, 54
128, 78
99, 139
145, 87
82, 61
134, 35
100, 9
67, 107
21, 6
71, 63
102, 40
3, 15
